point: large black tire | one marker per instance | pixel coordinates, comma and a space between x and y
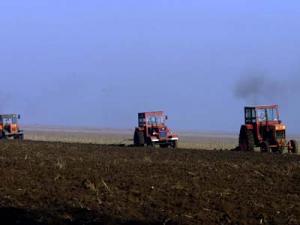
174, 144
2, 136
19, 137
246, 139
265, 147
293, 146
139, 138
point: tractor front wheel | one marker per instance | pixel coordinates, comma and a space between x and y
153, 144
265, 147
174, 144
19, 137
279, 150
293, 146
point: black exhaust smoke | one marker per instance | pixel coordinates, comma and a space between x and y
259, 89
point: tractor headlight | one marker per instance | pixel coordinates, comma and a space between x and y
280, 127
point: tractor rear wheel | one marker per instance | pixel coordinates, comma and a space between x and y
3, 136
293, 146
265, 147
246, 139
139, 139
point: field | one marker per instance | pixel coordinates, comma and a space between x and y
190, 140
79, 183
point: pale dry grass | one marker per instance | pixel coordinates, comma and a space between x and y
207, 141
78, 135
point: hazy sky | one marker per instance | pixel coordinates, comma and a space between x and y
97, 63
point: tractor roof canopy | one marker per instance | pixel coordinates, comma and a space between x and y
263, 107
155, 113
152, 118
9, 116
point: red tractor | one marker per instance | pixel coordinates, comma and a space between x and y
152, 131
263, 129
9, 127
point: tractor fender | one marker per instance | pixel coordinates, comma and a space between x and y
139, 129
173, 137
249, 126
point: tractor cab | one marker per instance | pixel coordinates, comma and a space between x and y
262, 114
9, 126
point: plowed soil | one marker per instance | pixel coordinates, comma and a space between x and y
60, 183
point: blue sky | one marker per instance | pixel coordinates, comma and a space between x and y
97, 63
